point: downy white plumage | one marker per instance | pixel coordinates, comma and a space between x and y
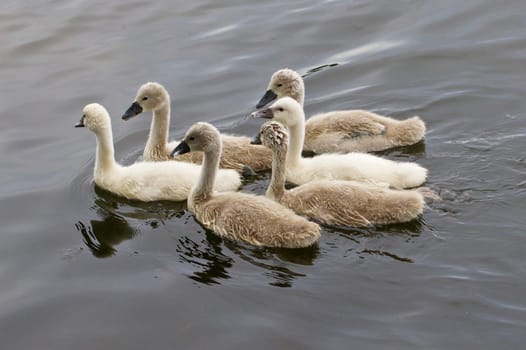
144, 181
351, 166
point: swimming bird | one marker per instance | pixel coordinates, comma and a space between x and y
346, 130
238, 153
240, 216
144, 181
336, 202
361, 167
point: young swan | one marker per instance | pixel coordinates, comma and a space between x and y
344, 131
144, 181
237, 150
350, 166
245, 217
333, 202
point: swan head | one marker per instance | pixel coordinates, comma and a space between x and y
94, 117
273, 135
285, 111
284, 82
150, 97
202, 137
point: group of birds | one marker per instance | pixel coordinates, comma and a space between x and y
339, 186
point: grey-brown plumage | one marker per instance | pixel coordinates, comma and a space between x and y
336, 202
238, 152
348, 130
245, 217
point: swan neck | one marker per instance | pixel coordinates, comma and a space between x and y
297, 135
105, 154
276, 188
159, 128
205, 185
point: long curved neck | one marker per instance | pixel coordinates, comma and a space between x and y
159, 127
105, 156
205, 185
297, 135
276, 188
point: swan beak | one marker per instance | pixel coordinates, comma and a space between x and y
80, 124
134, 110
264, 113
256, 140
268, 97
181, 148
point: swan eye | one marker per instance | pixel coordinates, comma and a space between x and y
280, 109
279, 85
145, 98
191, 138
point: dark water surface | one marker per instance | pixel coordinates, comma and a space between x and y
82, 269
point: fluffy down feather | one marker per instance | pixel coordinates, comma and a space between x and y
356, 166
238, 152
336, 202
244, 217
348, 130
144, 181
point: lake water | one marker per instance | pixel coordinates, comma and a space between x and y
82, 269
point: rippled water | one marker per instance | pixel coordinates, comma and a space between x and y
83, 269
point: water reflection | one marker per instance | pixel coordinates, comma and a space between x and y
215, 257
214, 260
417, 149
154, 213
111, 226
207, 256
100, 236
370, 241
277, 262
210, 259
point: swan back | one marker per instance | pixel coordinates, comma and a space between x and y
350, 203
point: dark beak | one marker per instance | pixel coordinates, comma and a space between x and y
264, 113
80, 124
181, 148
256, 140
134, 109
267, 98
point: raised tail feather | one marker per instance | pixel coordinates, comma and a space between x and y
408, 131
411, 174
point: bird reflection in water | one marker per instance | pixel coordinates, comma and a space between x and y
111, 227
385, 241
215, 257
209, 259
